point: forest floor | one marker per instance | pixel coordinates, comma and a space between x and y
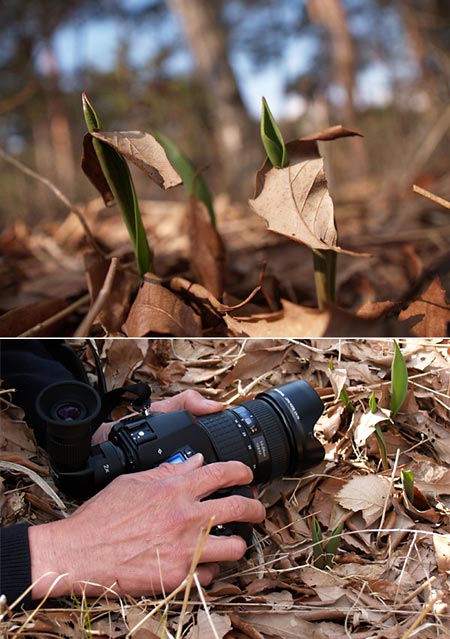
386, 576
261, 285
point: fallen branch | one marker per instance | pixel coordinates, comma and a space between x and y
36, 329
431, 196
97, 306
59, 194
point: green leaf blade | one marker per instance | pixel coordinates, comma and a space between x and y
399, 380
408, 484
90, 116
272, 138
332, 545
193, 180
119, 179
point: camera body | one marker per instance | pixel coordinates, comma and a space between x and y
273, 434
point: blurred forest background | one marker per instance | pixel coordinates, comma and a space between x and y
196, 71
185, 68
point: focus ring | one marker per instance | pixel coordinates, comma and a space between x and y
273, 431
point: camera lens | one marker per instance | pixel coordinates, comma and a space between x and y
273, 434
68, 412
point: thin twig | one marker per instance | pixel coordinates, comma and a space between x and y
63, 198
422, 616
201, 543
99, 303
431, 196
36, 329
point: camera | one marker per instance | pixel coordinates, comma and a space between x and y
273, 434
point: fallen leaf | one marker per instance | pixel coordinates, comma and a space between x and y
114, 313
145, 152
338, 379
17, 437
157, 310
207, 253
287, 625
123, 357
367, 494
93, 171
295, 320
21, 319
442, 550
364, 425
210, 626
295, 200
434, 309
256, 361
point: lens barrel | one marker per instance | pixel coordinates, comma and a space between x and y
69, 409
273, 434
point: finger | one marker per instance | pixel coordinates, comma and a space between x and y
166, 470
233, 508
218, 475
189, 400
223, 548
207, 572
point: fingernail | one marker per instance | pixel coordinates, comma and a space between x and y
198, 458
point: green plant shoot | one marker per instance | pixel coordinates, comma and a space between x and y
408, 484
324, 261
343, 395
272, 138
317, 539
399, 380
118, 177
382, 446
332, 545
192, 179
373, 403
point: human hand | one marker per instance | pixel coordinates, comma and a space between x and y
189, 400
139, 534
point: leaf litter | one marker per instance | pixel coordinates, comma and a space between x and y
44, 280
388, 577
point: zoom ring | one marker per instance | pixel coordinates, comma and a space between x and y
226, 439
277, 441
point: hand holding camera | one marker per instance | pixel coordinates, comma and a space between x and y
169, 472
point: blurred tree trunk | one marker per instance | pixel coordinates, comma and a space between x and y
207, 39
422, 25
331, 16
59, 126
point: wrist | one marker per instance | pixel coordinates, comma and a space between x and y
50, 558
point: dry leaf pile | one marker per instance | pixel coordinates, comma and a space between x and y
388, 578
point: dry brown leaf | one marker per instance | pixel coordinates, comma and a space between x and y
203, 630
286, 625
295, 200
207, 253
442, 550
295, 320
366, 494
17, 437
256, 362
158, 311
435, 310
145, 152
123, 357
114, 313
364, 425
93, 171
21, 319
